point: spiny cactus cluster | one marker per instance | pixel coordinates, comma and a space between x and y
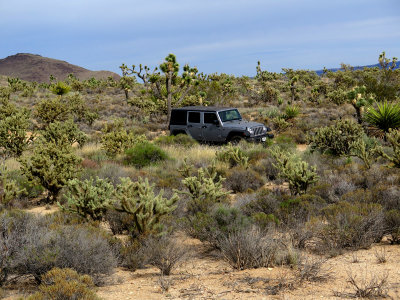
234, 156
337, 138
9, 189
89, 198
393, 137
368, 151
205, 190
298, 173
139, 200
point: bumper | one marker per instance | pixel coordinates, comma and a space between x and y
260, 138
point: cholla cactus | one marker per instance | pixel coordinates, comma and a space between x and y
394, 139
139, 200
234, 156
298, 173
336, 138
205, 190
52, 165
9, 189
89, 198
359, 99
367, 152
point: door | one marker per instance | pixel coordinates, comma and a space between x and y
212, 130
194, 125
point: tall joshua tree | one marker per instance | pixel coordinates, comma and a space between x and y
167, 84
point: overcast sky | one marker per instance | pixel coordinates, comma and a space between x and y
214, 35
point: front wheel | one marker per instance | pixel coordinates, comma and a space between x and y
236, 139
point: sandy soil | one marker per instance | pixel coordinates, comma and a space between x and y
204, 275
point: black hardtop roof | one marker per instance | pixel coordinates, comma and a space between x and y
204, 108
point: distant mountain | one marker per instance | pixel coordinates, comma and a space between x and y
33, 67
320, 72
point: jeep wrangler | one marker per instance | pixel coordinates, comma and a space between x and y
216, 124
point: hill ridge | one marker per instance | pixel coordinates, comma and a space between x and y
34, 67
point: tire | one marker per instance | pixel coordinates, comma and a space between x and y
236, 139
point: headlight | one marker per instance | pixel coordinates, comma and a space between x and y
264, 129
249, 130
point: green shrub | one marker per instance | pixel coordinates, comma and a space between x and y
64, 284
144, 154
336, 139
180, 139
89, 199
116, 142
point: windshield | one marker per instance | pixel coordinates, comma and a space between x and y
229, 115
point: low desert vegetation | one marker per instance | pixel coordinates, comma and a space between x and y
100, 151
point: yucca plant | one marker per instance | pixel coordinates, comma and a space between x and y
291, 112
385, 116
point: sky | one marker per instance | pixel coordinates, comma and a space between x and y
216, 36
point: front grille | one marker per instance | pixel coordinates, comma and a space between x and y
258, 130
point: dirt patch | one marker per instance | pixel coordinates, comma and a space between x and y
43, 210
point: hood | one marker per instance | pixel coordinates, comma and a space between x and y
241, 124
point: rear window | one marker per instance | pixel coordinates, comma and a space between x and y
194, 117
178, 117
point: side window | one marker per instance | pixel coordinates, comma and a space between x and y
210, 118
194, 117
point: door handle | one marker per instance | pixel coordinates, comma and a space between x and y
204, 126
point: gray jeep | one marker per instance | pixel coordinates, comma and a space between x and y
216, 124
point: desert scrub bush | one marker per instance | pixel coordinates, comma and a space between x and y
60, 88
119, 222
241, 180
139, 200
51, 165
297, 172
144, 154
393, 136
164, 253
233, 155
220, 221
248, 248
392, 225
204, 190
344, 225
65, 284
385, 116
181, 140
336, 139
89, 199
57, 132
